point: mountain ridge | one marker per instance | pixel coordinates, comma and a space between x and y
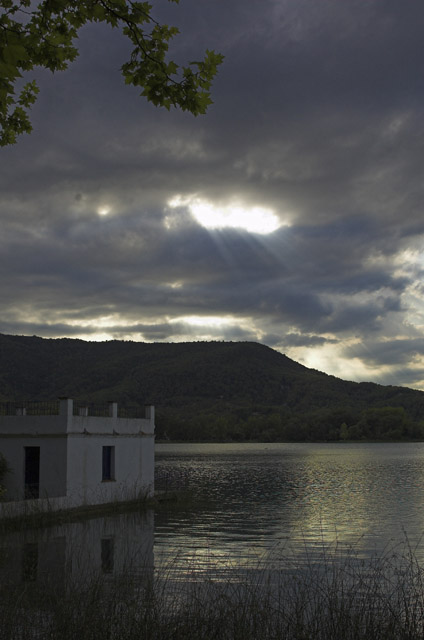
225, 382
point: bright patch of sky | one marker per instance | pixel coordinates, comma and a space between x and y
103, 210
329, 358
203, 321
253, 219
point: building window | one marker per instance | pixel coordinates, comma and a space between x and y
30, 562
32, 472
108, 463
107, 554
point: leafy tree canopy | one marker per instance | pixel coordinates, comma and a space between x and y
43, 34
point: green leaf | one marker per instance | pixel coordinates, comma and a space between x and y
44, 36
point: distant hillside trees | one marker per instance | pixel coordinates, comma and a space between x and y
384, 424
211, 391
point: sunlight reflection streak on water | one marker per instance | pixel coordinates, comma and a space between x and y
260, 502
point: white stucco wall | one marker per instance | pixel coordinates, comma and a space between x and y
133, 442
148, 464
32, 425
132, 478
52, 465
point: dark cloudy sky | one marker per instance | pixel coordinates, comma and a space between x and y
312, 155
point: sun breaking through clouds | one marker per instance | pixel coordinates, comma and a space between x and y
234, 216
299, 221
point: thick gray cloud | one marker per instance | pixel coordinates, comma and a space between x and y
318, 117
392, 352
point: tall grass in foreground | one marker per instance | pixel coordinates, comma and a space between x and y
339, 598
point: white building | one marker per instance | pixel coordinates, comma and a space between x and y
71, 460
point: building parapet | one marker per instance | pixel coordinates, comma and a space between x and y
62, 407
29, 408
67, 417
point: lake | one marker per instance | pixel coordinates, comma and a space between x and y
244, 506
265, 502
265, 541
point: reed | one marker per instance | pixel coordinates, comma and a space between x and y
39, 514
342, 596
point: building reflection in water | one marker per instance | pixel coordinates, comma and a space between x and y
74, 553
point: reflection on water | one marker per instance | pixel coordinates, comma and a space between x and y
74, 553
273, 501
251, 506
255, 509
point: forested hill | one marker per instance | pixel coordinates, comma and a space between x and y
209, 390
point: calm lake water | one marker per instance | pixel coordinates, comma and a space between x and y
268, 502
248, 505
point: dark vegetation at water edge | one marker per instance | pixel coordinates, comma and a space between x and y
4, 469
211, 391
42, 515
337, 599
